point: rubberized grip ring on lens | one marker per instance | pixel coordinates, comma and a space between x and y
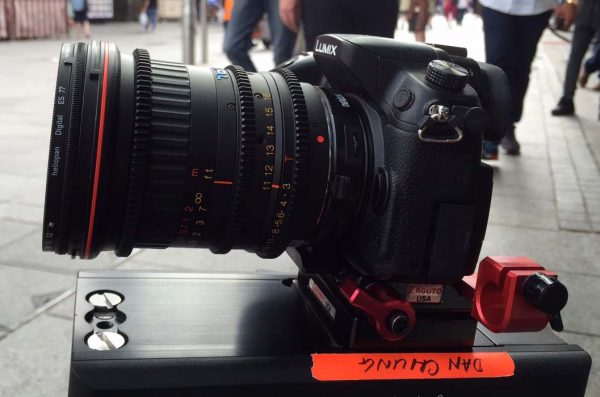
301, 159
247, 159
139, 155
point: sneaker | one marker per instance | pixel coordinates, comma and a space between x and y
565, 107
489, 151
509, 143
489, 155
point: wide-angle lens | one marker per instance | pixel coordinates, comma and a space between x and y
147, 153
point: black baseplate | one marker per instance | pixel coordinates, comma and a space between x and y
253, 335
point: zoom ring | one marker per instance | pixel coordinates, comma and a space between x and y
139, 153
301, 161
246, 163
168, 154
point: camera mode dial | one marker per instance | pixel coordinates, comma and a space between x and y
446, 75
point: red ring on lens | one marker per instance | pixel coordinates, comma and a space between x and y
90, 233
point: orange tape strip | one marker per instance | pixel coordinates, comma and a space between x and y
381, 366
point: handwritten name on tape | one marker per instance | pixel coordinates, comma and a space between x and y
381, 366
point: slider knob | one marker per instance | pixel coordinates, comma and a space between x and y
545, 292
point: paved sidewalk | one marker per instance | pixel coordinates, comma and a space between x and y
546, 203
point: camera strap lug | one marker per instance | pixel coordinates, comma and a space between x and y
439, 114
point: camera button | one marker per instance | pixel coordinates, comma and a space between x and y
404, 99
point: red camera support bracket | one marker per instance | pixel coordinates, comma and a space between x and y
508, 294
515, 294
393, 318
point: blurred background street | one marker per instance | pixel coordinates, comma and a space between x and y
546, 202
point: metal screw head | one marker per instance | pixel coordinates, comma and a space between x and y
398, 323
105, 299
105, 340
439, 113
104, 315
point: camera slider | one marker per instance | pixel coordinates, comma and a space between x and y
255, 335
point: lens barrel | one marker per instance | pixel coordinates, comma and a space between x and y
147, 153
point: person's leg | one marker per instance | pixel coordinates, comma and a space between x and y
155, 20
579, 45
283, 40
152, 17
596, 51
87, 31
499, 37
238, 37
529, 30
78, 18
593, 63
325, 16
375, 17
460, 15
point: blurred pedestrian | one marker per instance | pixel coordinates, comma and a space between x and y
512, 30
450, 10
587, 25
150, 8
317, 17
238, 37
418, 15
212, 10
592, 65
462, 7
82, 23
227, 9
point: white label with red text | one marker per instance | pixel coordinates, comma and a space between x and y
424, 293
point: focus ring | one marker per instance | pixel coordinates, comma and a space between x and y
247, 158
301, 161
139, 151
168, 154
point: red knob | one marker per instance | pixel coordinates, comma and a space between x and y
393, 318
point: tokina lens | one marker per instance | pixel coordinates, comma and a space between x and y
146, 153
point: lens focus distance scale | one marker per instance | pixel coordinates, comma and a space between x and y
301, 159
246, 162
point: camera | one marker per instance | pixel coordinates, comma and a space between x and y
361, 160
378, 169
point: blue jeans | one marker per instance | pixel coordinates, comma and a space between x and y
593, 63
152, 19
238, 37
